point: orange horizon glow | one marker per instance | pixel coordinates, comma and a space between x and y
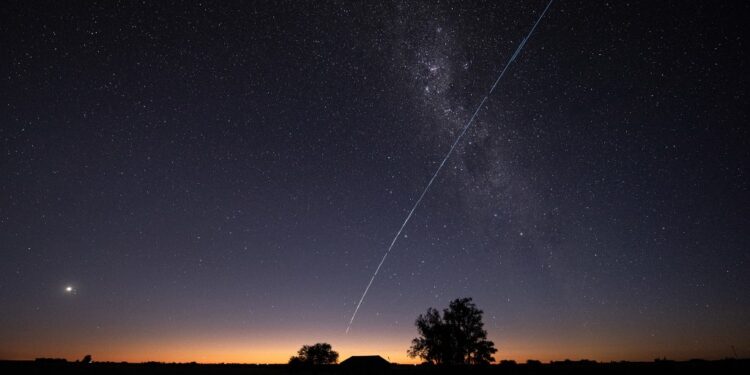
184, 343
275, 352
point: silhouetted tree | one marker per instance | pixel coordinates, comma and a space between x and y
295, 361
318, 354
86, 359
455, 337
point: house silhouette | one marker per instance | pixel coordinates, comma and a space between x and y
366, 362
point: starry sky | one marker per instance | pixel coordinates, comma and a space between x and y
217, 182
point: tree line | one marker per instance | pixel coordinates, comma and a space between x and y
455, 336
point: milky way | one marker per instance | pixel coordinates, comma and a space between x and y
433, 71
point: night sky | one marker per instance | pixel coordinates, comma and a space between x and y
217, 182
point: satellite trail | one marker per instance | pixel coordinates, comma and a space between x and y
447, 155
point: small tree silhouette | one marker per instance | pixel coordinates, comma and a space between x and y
318, 354
456, 337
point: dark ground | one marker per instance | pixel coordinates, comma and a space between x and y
640, 368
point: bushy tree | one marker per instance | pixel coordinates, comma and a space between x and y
318, 354
455, 337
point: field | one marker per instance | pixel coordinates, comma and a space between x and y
567, 367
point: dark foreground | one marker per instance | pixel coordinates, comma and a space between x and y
640, 368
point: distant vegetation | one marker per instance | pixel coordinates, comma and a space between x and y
457, 337
318, 354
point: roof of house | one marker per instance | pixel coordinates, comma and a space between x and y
365, 360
